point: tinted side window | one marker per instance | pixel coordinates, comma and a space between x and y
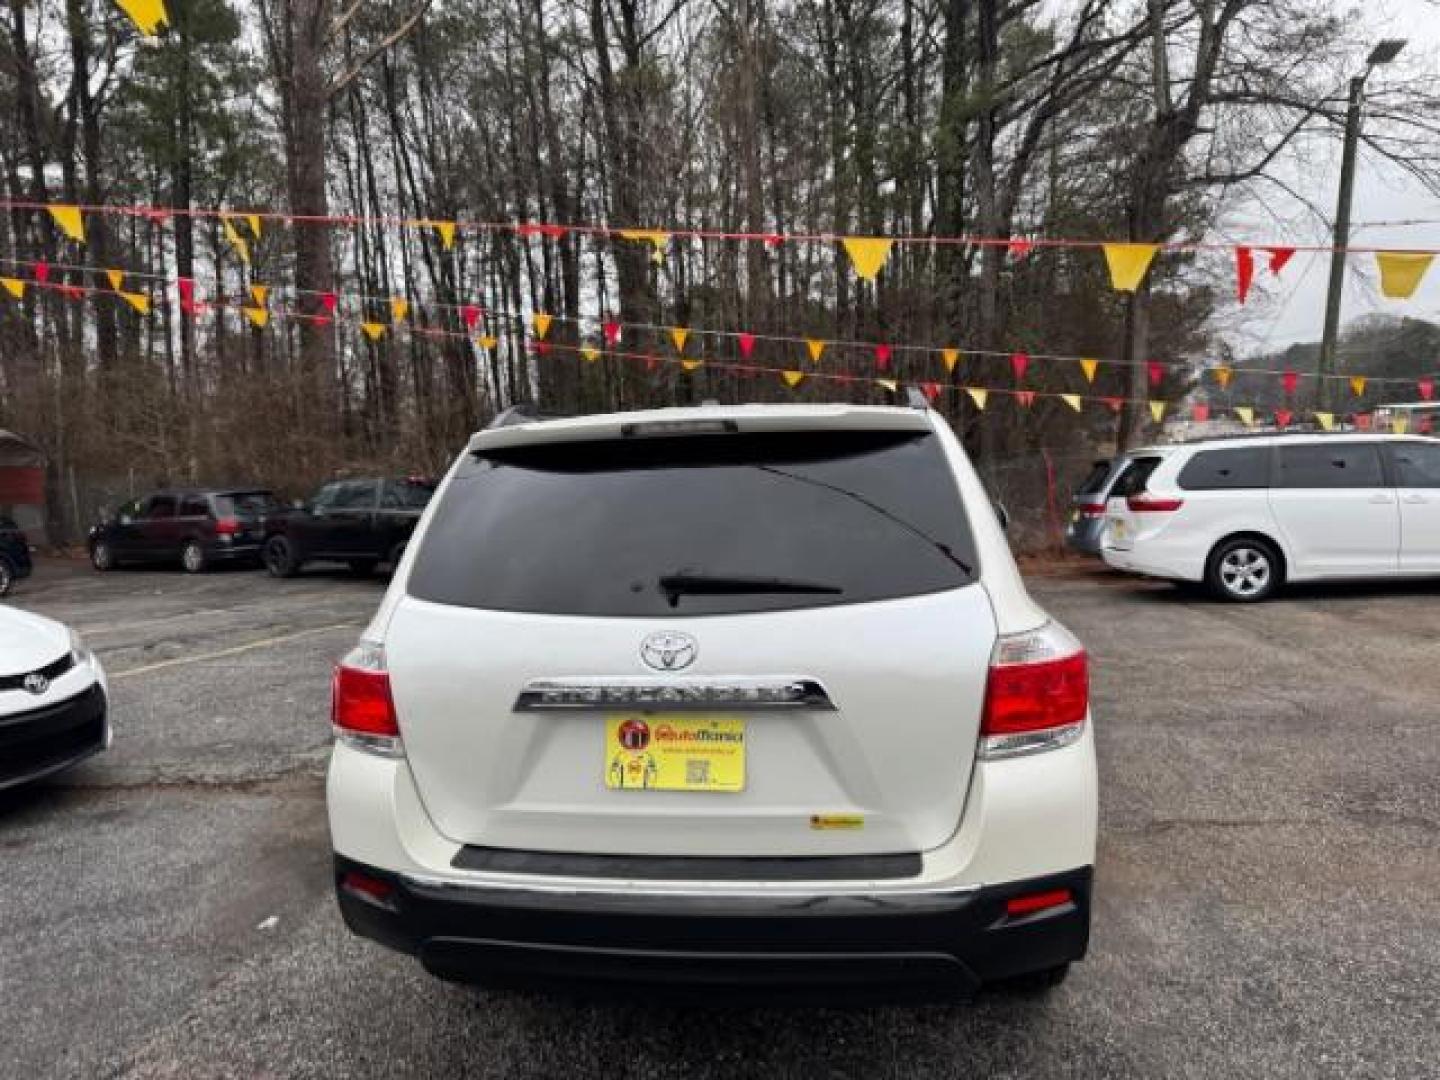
1228, 469
1132, 480
1330, 465
405, 495
755, 522
1417, 465
348, 495
194, 507
160, 506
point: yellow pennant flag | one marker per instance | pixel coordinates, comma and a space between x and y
139, 301
1401, 424
1073, 400
1222, 375
1128, 264
1401, 271
888, 384
793, 378
116, 278
679, 335
399, 308
978, 396
14, 286
261, 293
690, 365
868, 254
1246, 414
1357, 385
446, 229
373, 330
654, 237
541, 322
259, 316
489, 341
253, 220
951, 358
238, 242
816, 348
1157, 411
70, 221
589, 353
1326, 420
147, 15
1089, 367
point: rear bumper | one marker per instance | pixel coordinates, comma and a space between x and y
1128, 561
1084, 536
219, 552
43, 741
938, 944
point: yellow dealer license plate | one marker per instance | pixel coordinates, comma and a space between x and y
675, 753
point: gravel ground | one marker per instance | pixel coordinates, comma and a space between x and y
1268, 883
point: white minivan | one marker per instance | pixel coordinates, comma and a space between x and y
720, 697
1244, 515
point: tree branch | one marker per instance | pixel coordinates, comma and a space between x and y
384, 45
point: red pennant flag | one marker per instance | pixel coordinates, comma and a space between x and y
42, 271
773, 240
1282, 418
1426, 386
1290, 380
1114, 403
611, 330
72, 292
1200, 412
1279, 256
882, 357
329, 301
532, 229
931, 389
1019, 363
747, 345
471, 315
1156, 370
542, 348
1362, 421
1244, 271
1018, 249
187, 289
1025, 397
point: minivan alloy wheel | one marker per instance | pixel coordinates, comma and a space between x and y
192, 558
1245, 571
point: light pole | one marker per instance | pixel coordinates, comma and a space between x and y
1383, 53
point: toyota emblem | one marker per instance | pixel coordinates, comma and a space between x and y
36, 682
668, 651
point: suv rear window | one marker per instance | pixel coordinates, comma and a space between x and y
610, 528
1132, 480
1095, 483
1227, 470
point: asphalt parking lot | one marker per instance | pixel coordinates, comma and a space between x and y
1268, 884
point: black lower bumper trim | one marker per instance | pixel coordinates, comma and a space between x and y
944, 948
36, 743
690, 868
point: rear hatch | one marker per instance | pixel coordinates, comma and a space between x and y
1124, 522
247, 510
731, 643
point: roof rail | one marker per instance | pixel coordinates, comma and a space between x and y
916, 399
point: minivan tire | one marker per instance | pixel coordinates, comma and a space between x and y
279, 558
192, 557
1244, 570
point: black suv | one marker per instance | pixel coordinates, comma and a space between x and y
197, 528
14, 555
361, 523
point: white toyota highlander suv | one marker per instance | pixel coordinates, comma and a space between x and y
747, 697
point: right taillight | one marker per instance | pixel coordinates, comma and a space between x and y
1153, 504
1038, 693
361, 706
1090, 510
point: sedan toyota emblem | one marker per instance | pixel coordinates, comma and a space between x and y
667, 651
36, 683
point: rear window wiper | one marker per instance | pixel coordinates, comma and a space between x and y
675, 586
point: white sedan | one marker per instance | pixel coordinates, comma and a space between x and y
53, 698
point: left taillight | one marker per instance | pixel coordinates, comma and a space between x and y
1038, 693
362, 708
227, 527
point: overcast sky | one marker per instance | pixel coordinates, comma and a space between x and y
1293, 306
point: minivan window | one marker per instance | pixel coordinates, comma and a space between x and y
698, 525
194, 507
1330, 465
1417, 464
1226, 470
1132, 480
160, 506
1095, 483
246, 504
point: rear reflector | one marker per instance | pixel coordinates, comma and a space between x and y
375, 890
1153, 504
1038, 693
1042, 901
361, 706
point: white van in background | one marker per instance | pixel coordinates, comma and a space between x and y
1245, 515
